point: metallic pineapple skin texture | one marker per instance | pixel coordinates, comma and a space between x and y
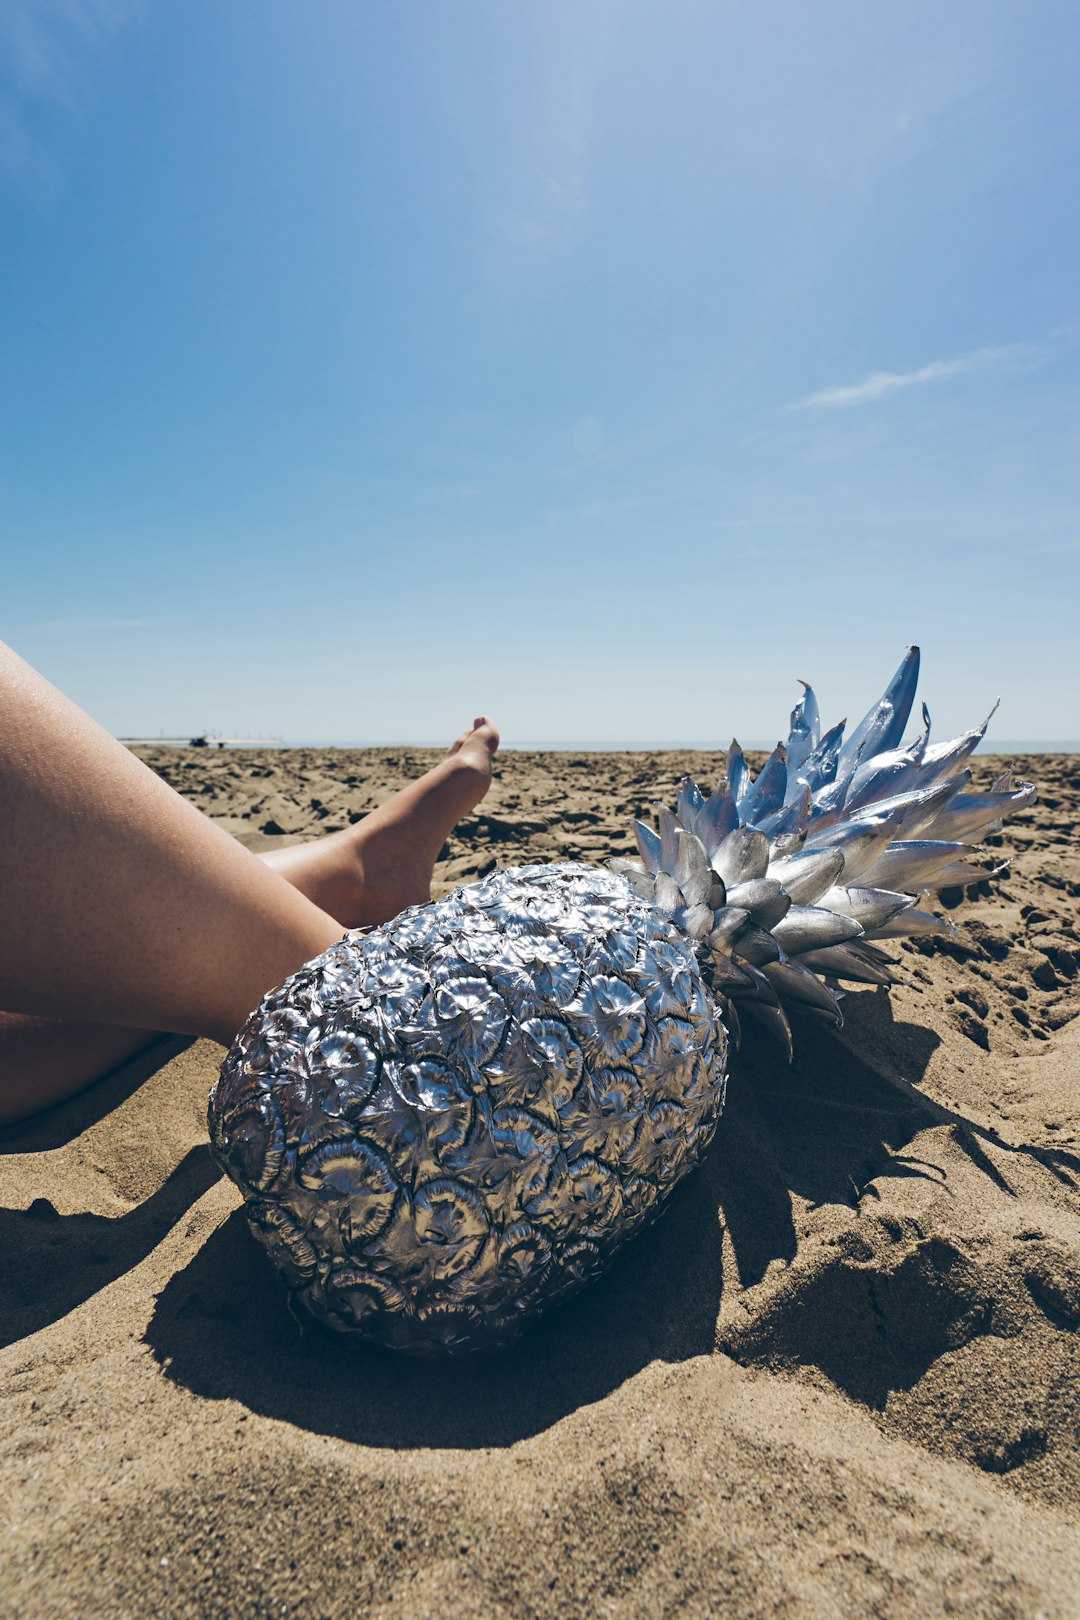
444, 1126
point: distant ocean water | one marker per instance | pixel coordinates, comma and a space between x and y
592, 745
991, 746
758, 744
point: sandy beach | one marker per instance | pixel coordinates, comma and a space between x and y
839, 1377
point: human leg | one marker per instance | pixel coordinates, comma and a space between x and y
122, 903
46, 1060
368, 872
365, 874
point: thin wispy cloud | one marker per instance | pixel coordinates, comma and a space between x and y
44, 56
558, 197
550, 180
882, 384
89, 624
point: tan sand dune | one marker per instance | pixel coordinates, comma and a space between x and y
840, 1377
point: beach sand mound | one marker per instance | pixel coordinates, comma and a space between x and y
838, 1378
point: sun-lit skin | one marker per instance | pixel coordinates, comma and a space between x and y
127, 912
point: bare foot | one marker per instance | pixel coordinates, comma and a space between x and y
367, 873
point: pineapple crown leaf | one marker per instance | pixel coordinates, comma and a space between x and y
786, 880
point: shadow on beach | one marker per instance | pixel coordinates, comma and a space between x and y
820, 1129
222, 1328
50, 1263
791, 1139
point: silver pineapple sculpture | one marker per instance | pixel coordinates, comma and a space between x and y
444, 1126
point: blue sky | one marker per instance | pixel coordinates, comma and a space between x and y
604, 366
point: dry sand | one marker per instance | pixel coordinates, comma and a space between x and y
838, 1378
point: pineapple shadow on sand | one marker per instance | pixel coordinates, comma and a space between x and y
818, 1130
51, 1262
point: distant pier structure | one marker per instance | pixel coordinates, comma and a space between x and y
206, 739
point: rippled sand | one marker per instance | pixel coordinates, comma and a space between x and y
838, 1378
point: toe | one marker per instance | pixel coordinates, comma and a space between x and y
483, 734
486, 731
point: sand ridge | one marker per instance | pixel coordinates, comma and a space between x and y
838, 1377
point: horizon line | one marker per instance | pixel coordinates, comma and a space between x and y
1003, 745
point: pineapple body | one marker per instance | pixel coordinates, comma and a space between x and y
445, 1125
